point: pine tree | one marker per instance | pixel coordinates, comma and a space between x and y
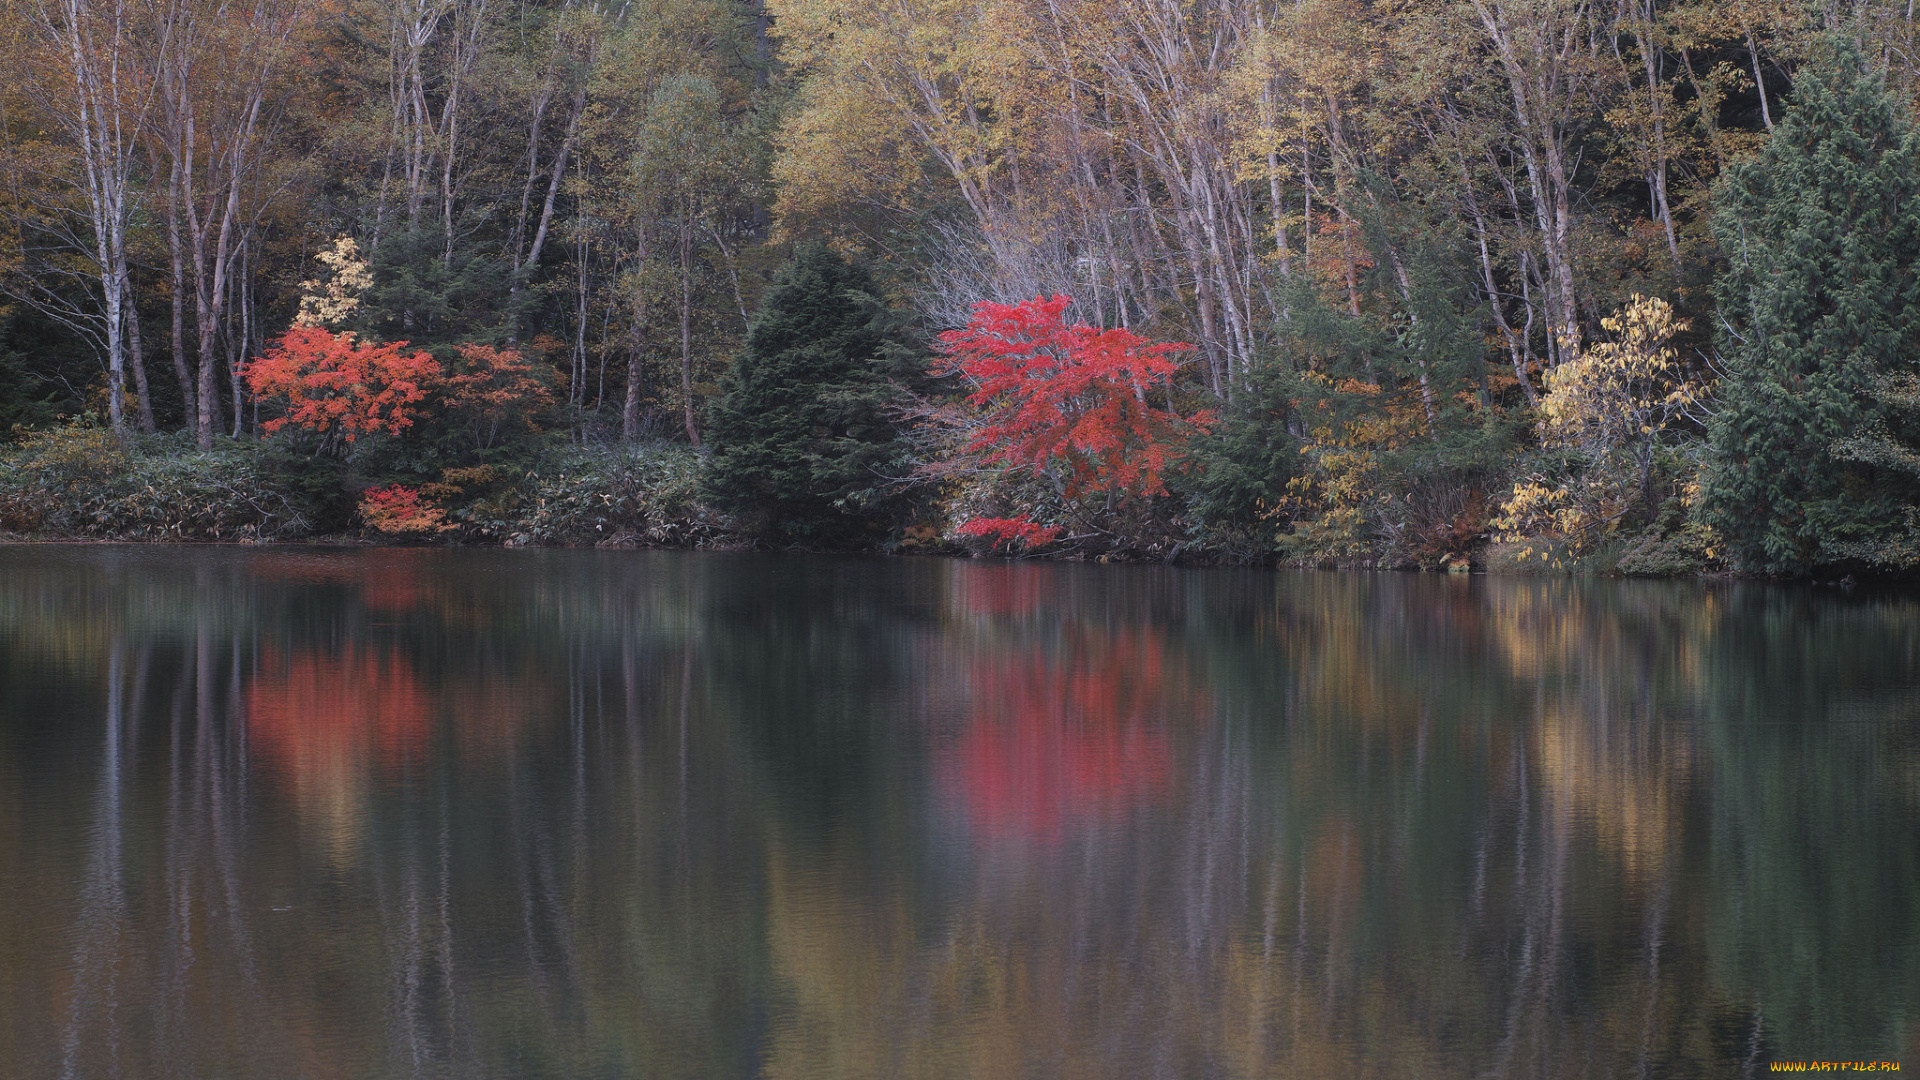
1818, 307
802, 440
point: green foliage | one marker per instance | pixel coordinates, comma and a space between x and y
1889, 445
1238, 489
80, 480
683, 153
42, 373
1400, 445
433, 299
627, 497
316, 482
804, 443
28, 399
1819, 303
1688, 548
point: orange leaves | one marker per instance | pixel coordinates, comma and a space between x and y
322, 717
494, 390
399, 511
1070, 396
338, 389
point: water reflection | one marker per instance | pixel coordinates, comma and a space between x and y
1074, 734
420, 813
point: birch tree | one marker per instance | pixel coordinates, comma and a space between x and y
79, 66
220, 73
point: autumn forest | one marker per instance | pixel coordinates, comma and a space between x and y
1540, 285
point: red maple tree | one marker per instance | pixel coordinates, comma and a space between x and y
1068, 401
339, 388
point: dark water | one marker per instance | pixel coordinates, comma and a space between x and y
607, 814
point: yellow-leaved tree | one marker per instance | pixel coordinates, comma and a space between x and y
1608, 404
334, 300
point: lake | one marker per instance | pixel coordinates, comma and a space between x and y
458, 813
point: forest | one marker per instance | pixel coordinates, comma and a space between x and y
1527, 285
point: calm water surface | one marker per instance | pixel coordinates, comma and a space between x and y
406, 813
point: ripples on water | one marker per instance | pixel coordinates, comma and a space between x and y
581, 814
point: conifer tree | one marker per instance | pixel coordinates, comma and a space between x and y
802, 440
1818, 306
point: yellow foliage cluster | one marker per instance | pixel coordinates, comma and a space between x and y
1610, 402
1575, 510
1620, 392
1347, 493
333, 301
1535, 505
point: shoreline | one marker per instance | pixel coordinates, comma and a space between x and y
1846, 583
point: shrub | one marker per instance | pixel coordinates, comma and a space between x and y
82, 481
339, 389
398, 511
495, 394
612, 497
1068, 404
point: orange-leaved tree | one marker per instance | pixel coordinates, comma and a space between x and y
494, 391
1070, 402
339, 388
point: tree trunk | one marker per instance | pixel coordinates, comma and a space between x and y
1657, 101
136, 354
1537, 51
1759, 83
686, 328
630, 413
177, 268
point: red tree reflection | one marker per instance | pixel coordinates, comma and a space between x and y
1059, 739
321, 719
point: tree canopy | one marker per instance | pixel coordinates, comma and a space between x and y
1820, 302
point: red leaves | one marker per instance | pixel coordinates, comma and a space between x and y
1069, 402
1011, 530
1073, 395
400, 511
338, 389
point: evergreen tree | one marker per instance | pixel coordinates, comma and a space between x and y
1818, 308
434, 298
802, 441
